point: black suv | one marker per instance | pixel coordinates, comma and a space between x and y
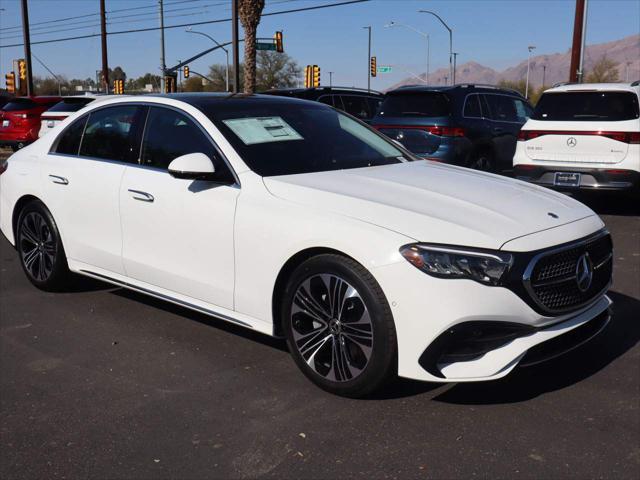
360, 103
469, 125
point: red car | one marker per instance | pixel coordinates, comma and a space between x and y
20, 120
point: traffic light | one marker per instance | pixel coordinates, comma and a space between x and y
10, 79
118, 87
22, 69
374, 67
279, 44
185, 71
316, 76
307, 76
170, 84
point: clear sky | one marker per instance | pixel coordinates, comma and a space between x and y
492, 32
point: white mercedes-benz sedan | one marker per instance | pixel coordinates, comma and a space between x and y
293, 219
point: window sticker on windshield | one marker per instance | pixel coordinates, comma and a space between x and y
262, 130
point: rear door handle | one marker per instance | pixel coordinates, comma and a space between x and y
59, 180
142, 196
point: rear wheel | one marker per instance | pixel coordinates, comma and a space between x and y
40, 248
339, 326
483, 160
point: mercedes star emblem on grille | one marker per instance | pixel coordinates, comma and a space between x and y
584, 272
572, 142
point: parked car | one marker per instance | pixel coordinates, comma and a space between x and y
63, 109
20, 120
294, 219
472, 126
583, 136
360, 103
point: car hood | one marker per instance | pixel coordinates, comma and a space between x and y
434, 203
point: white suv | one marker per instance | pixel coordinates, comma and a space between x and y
583, 136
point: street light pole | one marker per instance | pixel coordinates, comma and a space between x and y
455, 57
369, 60
188, 30
451, 72
27, 47
331, 79
236, 46
526, 89
425, 35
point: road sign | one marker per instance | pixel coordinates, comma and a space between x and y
265, 46
385, 69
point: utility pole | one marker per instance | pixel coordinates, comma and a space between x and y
544, 74
369, 60
331, 77
103, 37
163, 65
455, 57
582, 45
27, 47
626, 75
236, 46
578, 24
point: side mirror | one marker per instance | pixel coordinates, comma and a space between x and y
193, 166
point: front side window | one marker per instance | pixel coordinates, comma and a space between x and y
112, 133
502, 108
472, 107
69, 141
170, 134
587, 106
277, 139
357, 106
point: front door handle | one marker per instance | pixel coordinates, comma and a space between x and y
59, 180
142, 196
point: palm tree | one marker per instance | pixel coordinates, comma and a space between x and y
250, 11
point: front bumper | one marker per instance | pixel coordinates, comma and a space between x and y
428, 309
590, 178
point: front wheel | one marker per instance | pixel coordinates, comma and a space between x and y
339, 326
40, 248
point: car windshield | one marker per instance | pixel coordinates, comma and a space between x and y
587, 106
422, 104
286, 139
19, 104
70, 104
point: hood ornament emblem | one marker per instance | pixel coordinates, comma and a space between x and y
584, 272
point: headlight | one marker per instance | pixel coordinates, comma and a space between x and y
485, 267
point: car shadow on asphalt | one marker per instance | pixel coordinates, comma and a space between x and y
174, 309
622, 334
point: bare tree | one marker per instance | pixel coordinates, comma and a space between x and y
603, 71
250, 12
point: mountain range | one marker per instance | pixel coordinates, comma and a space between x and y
625, 52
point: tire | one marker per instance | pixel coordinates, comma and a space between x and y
482, 160
349, 351
40, 248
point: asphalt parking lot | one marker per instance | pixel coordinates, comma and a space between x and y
105, 383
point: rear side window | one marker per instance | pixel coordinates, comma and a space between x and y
111, 133
170, 134
357, 106
326, 99
587, 106
70, 105
374, 104
19, 104
472, 107
503, 108
69, 142
421, 104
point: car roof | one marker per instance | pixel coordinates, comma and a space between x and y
323, 91
461, 87
208, 99
598, 87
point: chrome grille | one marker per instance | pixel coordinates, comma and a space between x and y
552, 277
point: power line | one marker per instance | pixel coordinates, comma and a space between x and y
182, 25
97, 14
